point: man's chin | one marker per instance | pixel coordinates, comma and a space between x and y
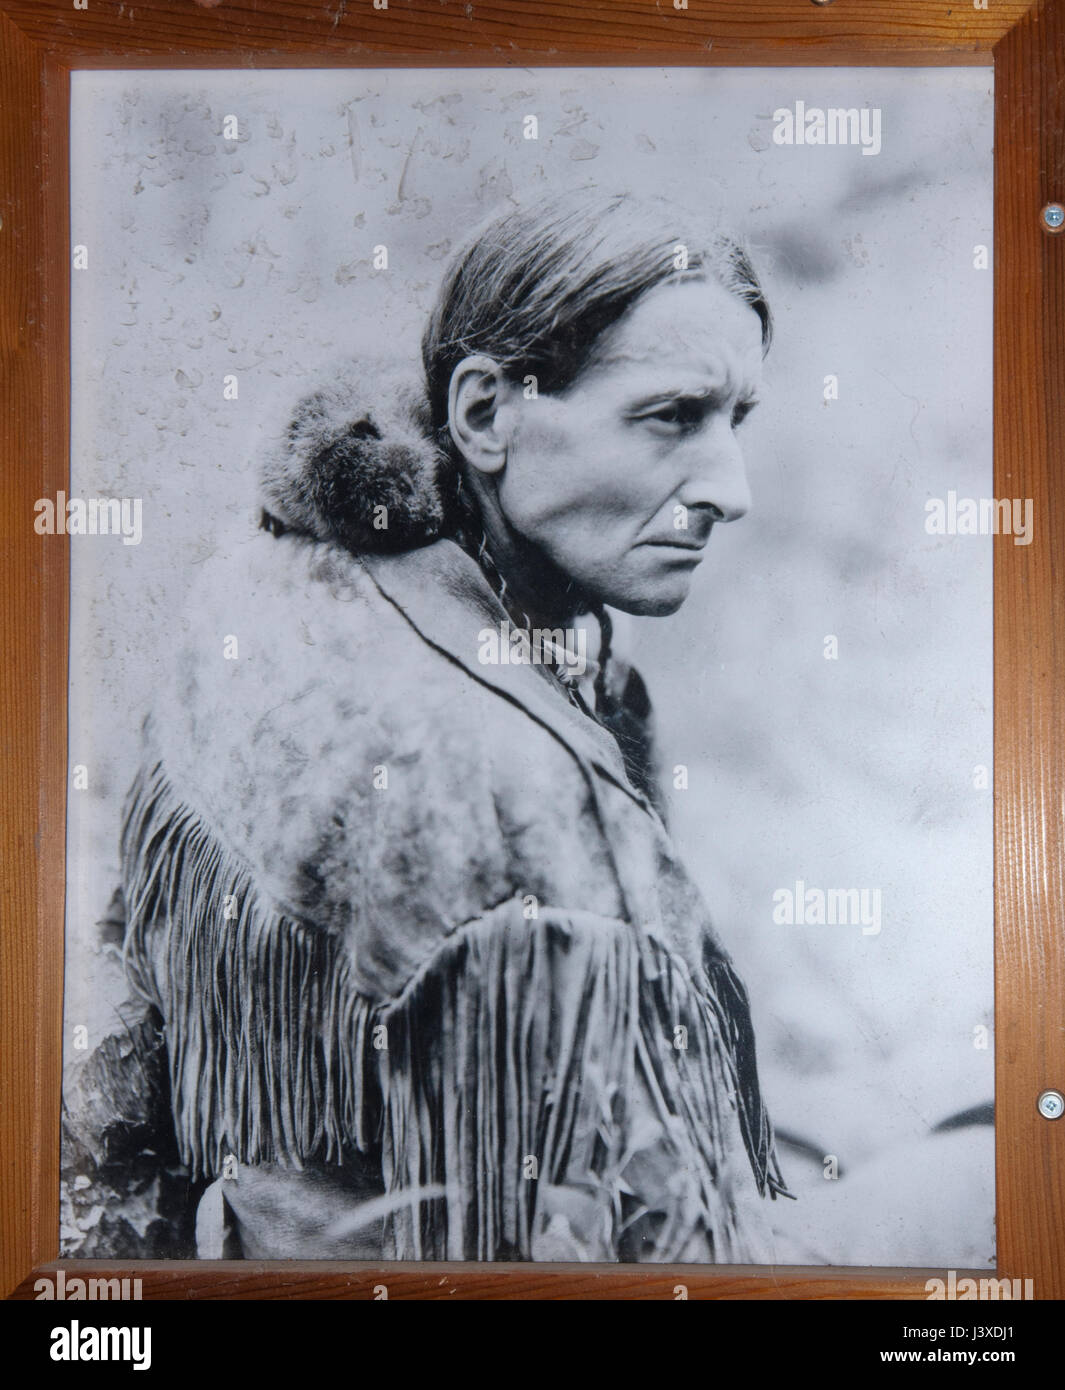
658, 602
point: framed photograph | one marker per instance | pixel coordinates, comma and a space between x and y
536, 664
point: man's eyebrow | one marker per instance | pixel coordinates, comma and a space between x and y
614, 359
748, 392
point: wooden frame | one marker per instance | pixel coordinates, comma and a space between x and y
40, 42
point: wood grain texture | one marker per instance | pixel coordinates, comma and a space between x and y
39, 39
1030, 650
278, 32
33, 611
238, 1279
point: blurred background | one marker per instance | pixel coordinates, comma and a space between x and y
253, 257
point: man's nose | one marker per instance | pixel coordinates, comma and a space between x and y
718, 479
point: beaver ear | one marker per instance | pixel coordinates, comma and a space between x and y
376, 486
366, 476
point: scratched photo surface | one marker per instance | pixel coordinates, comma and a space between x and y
822, 696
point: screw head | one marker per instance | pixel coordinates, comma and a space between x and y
1054, 217
1051, 1105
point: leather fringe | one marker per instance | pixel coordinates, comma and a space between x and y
544, 1034
269, 1043
518, 1040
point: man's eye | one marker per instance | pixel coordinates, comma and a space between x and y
690, 413
683, 413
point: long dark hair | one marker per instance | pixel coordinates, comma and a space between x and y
535, 288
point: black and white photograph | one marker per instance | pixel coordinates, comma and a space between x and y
530, 674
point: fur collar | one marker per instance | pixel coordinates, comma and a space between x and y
356, 463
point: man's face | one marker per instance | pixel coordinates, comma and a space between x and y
619, 479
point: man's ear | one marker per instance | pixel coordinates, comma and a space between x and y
478, 412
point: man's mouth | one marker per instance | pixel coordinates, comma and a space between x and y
679, 545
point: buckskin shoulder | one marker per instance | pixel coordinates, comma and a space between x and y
373, 786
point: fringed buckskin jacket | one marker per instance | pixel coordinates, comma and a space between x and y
433, 982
